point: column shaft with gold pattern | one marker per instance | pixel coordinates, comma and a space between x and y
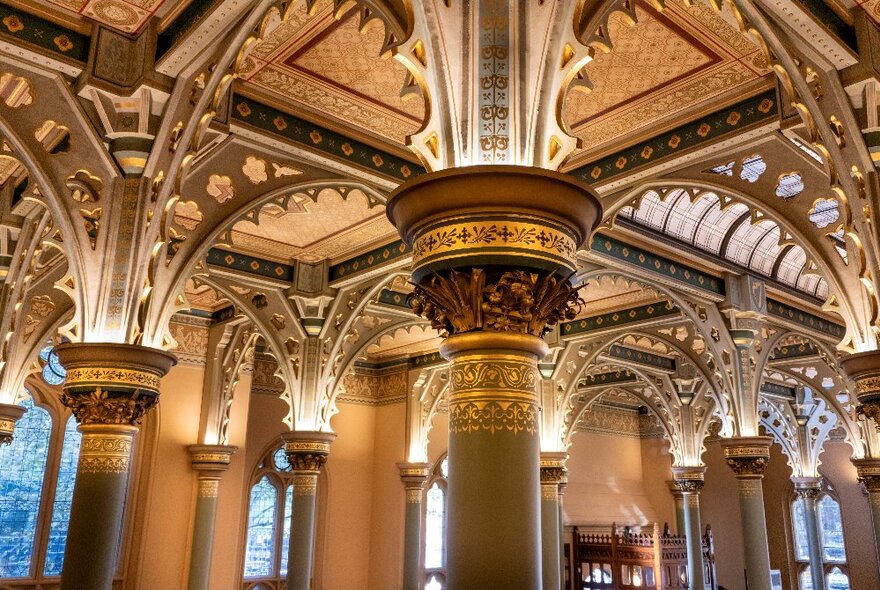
109, 388
414, 477
307, 452
869, 474
748, 458
494, 250
210, 462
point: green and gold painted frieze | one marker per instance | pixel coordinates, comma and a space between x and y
805, 319
605, 379
315, 137
757, 109
44, 34
369, 260
641, 357
614, 319
250, 264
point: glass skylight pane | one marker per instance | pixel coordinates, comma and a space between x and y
715, 225
791, 266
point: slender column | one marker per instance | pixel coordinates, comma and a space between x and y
748, 457
552, 476
414, 477
807, 489
678, 498
109, 387
307, 453
869, 474
9, 415
210, 462
690, 482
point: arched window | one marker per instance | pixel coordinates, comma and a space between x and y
22, 471
435, 529
831, 538
63, 499
37, 475
268, 524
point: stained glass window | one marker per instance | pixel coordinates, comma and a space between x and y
837, 580
260, 548
53, 372
63, 499
832, 530
285, 529
22, 470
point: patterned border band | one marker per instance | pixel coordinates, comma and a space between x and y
112, 378
747, 451
306, 446
104, 453
521, 236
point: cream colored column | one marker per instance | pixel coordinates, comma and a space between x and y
807, 489
690, 482
210, 462
748, 457
414, 477
678, 499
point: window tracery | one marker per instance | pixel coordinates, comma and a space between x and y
270, 510
830, 539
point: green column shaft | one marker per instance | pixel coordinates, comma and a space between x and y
412, 538
813, 543
203, 534
680, 525
694, 539
874, 501
550, 536
754, 528
302, 531
98, 507
494, 528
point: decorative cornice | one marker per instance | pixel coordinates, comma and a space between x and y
805, 319
249, 264
369, 260
48, 36
605, 379
615, 319
315, 137
641, 357
211, 458
752, 111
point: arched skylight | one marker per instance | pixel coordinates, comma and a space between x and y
728, 234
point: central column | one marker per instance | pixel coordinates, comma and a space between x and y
869, 474
748, 458
690, 483
109, 387
553, 475
307, 452
807, 489
414, 477
494, 248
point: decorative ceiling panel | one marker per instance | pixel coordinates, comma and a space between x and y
327, 228
128, 16
664, 66
329, 67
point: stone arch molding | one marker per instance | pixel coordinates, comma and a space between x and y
189, 259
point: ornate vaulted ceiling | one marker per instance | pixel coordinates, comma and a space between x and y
662, 69
328, 67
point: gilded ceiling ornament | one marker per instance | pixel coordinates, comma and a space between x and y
84, 186
220, 187
187, 215
255, 169
15, 91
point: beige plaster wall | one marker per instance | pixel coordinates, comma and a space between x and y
606, 482
720, 508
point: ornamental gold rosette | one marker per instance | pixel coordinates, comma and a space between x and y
864, 370
112, 383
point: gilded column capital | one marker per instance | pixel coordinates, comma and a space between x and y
211, 459
112, 383
863, 369
9, 415
414, 476
689, 480
307, 451
868, 471
807, 488
553, 469
674, 488
747, 456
